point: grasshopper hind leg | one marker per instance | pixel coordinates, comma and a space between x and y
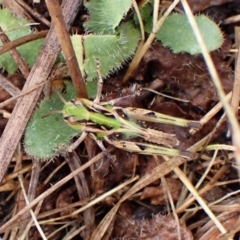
101, 146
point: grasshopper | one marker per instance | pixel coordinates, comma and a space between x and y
119, 126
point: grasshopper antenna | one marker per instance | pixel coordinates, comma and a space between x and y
100, 82
59, 95
51, 113
57, 111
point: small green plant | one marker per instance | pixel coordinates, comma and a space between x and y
105, 16
177, 34
178, 25
47, 137
16, 28
110, 42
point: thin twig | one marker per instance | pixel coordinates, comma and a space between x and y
31, 190
236, 85
22, 40
34, 13
31, 211
67, 47
142, 49
83, 192
8, 86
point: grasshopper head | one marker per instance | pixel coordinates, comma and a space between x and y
75, 113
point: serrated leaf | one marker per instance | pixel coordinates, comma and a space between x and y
78, 48
111, 50
47, 137
146, 14
14, 28
105, 15
177, 34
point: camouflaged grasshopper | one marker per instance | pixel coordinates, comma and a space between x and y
120, 126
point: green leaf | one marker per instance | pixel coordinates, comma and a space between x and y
111, 44
78, 48
92, 87
14, 28
105, 15
177, 34
111, 50
48, 137
146, 14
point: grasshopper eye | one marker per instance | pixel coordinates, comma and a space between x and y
77, 102
73, 123
70, 119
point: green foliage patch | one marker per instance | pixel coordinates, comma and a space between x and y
105, 15
14, 29
177, 34
47, 137
111, 50
110, 41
